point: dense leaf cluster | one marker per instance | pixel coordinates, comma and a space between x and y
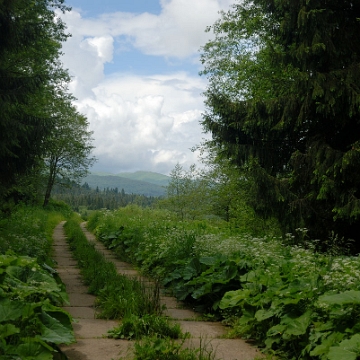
284, 98
31, 322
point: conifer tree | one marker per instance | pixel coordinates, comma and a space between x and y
30, 76
284, 98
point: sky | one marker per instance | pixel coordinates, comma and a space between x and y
135, 73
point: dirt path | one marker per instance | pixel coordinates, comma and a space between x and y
89, 331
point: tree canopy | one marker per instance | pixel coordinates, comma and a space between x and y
33, 90
68, 149
284, 99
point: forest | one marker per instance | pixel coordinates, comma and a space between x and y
78, 196
264, 236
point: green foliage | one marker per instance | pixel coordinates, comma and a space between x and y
28, 230
150, 325
219, 191
68, 149
295, 302
283, 100
204, 281
144, 183
32, 79
186, 193
31, 323
347, 349
59, 207
166, 349
81, 197
117, 295
42, 136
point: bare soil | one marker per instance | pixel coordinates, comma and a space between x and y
90, 332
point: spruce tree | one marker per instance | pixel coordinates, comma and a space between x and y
284, 99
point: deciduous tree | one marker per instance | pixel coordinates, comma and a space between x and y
186, 193
68, 149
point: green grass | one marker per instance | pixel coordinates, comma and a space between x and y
136, 327
156, 348
28, 230
117, 295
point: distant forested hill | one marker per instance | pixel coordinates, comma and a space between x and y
140, 182
147, 176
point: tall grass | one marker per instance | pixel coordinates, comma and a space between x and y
117, 295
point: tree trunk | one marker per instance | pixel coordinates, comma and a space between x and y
51, 181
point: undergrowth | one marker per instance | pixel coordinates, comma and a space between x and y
32, 324
295, 302
136, 327
117, 295
27, 231
156, 348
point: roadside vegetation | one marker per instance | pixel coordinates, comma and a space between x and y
32, 324
135, 302
265, 237
293, 300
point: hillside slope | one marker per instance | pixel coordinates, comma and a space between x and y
130, 186
148, 176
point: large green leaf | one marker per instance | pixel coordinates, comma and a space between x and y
59, 314
10, 309
7, 260
203, 290
324, 346
263, 314
347, 349
7, 330
31, 350
54, 331
344, 298
297, 326
230, 271
18, 272
234, 298
276, 330
188, 272
209, 260
251, 276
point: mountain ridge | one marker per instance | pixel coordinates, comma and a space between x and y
139, 182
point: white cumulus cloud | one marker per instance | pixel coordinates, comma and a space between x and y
140, 122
